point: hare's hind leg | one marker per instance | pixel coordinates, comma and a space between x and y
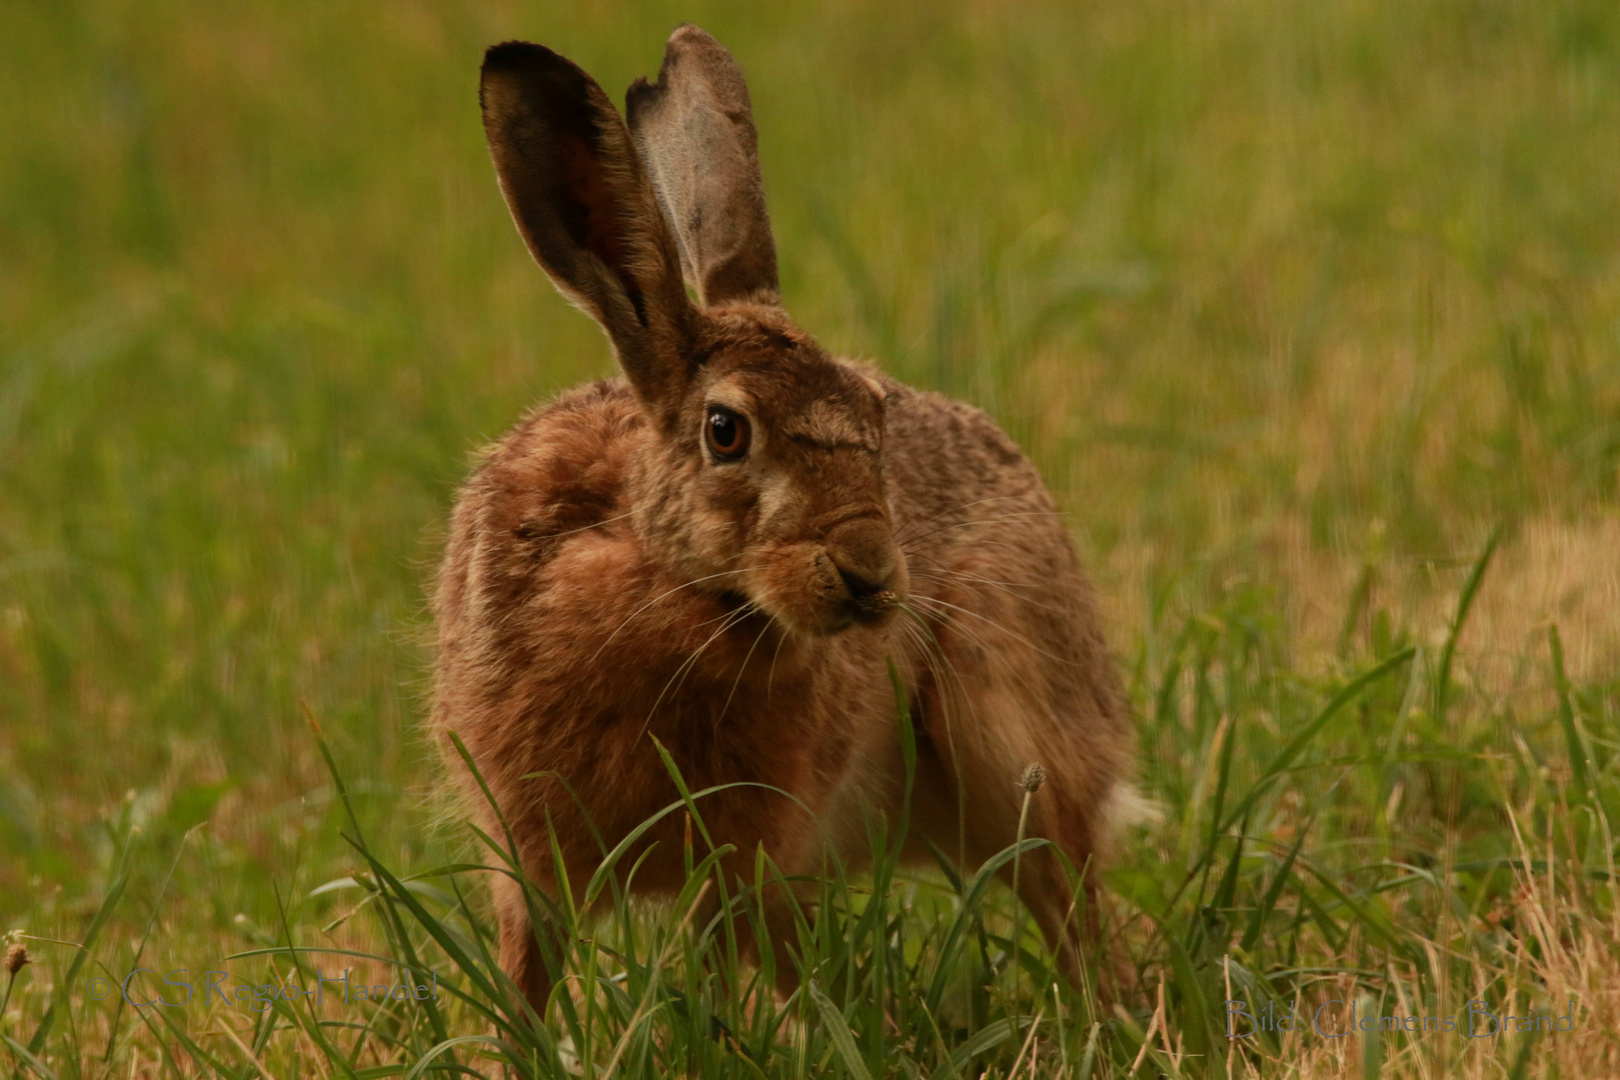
984, 736
1064, 908
1057, 883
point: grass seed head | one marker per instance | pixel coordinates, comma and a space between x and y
1032, 778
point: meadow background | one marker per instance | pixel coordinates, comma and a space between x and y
1309, 312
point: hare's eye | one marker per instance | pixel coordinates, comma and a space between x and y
726, 433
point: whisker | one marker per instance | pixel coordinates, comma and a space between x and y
592, 525
629, 618
985, 521
738, 680
945, 712
992, 655
963, 574
733, 618
771, 675
993, 623
1005, 586
953, 509
976, 541
929, 650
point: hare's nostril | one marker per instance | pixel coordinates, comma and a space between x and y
863, 583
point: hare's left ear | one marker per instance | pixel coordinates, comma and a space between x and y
580, 198
695, 131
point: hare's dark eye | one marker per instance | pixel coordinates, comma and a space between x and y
726, 433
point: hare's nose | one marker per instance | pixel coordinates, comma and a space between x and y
864, 553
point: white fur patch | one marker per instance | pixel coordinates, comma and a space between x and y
1125, 807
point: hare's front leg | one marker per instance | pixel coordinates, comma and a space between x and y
781, 937
520, 953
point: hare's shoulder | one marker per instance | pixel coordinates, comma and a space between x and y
563, 467
559, 474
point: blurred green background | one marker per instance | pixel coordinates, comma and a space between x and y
1300, 298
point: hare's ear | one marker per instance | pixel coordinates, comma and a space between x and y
696, 133
579, 195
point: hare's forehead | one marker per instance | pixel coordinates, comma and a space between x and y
832, 410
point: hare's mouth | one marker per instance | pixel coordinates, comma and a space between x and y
804, 589
872, 609
732, 600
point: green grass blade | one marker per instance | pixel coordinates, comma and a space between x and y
1580, 754
1268, 902
838, 1030
1302, 739
991, 1035
97, 924
968, 911
1372, 1044
600, 878
27, 1057
1465, 602
429, 1060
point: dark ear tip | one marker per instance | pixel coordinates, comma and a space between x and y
518, 55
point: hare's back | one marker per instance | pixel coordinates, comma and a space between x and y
960, 487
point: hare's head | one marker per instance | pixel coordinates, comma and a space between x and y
761, 469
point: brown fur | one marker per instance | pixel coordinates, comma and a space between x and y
608, 580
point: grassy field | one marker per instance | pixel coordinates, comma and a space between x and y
1309, 312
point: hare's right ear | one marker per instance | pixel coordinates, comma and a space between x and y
580, 197
695, 130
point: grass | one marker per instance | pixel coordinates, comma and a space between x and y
1310, 314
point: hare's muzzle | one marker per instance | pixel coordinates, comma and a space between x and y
864, 552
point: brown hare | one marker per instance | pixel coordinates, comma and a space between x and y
727, 548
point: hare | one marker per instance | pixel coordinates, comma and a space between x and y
727, 548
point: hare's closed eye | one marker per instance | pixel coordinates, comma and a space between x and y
726, 553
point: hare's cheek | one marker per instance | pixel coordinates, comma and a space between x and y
797, 585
